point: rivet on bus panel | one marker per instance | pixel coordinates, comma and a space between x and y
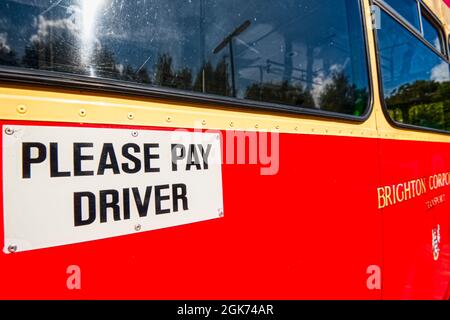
22, 108
130, 116
134, 134
82, 113
169, 119
231, 124
137, 227
204, 122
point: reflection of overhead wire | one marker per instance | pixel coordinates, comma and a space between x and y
303, 72
397, 45
284, 24
302, 78
279, 71
260, 69
51, 7
388, 58
145, 62
275, 28
245, 44
228, 41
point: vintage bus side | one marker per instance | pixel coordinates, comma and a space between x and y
345, 198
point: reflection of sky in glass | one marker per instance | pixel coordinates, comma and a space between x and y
302, 42
431, 34
415, 78
405, 59
89, 12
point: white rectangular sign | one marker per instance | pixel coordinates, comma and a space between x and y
64, 185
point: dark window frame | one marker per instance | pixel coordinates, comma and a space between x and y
394, 15
434, 21
45, 79
447, 45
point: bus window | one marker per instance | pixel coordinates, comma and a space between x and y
416, 80
408, 9
293, 54
432, 34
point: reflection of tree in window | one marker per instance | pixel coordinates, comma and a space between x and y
415, 79
343, 97
216, 80
422, 103
7, 55
337, 96
55, 49
283, 93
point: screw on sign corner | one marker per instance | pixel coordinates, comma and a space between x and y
221, 214
9, 131
12, 248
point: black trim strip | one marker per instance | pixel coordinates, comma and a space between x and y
394, 123
15, 75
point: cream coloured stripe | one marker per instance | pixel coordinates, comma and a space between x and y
36, 105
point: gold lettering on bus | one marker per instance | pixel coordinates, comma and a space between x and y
397, 193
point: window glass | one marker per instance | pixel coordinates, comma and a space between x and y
431, 34
302, 53
416, 80
408, 9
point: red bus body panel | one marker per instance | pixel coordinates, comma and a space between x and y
309, 232
410, 271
